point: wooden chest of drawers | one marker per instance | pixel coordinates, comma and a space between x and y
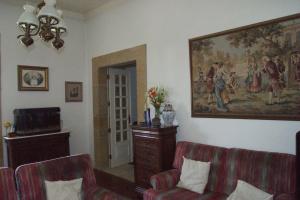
27, 149
154, 150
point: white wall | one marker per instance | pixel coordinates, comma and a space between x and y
67, 65
165, 26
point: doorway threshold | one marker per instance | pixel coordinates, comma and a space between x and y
124, 171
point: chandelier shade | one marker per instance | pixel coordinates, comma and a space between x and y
61, 26
48, 14
28, 18
57, 30
46, 21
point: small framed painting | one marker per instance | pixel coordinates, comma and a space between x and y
73, 91
32, 78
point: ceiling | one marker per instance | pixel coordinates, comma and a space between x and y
80, 6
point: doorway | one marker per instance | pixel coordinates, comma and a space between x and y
133, 60
122, 113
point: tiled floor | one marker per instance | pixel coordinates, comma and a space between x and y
123, 171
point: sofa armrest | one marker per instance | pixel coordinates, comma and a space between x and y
285, 197
165, 180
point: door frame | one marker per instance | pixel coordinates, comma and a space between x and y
136, 55
1, 141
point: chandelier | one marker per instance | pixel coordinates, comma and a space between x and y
44, 21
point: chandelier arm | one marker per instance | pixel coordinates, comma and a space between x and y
37, 31
20, 36
27, 32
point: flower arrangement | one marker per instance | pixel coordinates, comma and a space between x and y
7, 125
157, 96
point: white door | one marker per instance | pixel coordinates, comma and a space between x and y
119, 117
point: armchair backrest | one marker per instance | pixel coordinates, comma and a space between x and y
31, 177
7, 184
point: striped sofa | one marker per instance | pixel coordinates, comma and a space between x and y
7, 184
274, 173
30, 178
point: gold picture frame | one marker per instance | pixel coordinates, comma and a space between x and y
73, 91
33, 78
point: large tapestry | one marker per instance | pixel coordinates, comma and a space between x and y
248, 72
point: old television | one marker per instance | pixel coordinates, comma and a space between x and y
33, 121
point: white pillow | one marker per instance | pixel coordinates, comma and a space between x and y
64, 190
194, 175
245, 191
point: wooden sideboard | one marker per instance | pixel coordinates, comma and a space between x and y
34, 148
154, 150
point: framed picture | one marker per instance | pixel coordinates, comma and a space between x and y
31, 78
73, 91
251, 72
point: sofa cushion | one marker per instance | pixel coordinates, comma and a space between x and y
194, 175
246, 191
273, 173
182, 194
206, 153
62, 190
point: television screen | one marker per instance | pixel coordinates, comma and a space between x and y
31, 121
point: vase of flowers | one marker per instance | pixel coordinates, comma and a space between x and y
7, 125
156, 96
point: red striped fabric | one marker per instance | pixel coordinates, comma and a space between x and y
274, 173
181, 194
7, 184
98, 193
285, 197
31, 177
206, 153
165, 180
